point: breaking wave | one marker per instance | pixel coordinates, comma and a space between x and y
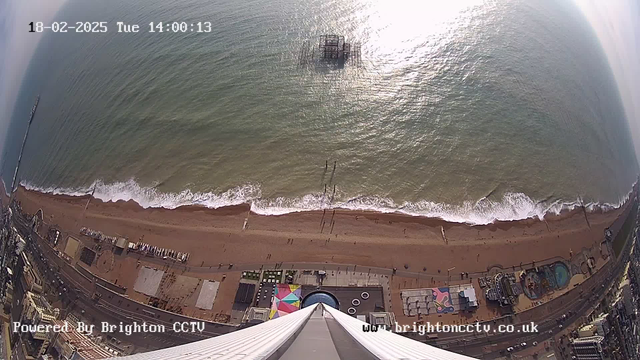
513, 206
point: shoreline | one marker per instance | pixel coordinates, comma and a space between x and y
553, 211
215, 236
246, 209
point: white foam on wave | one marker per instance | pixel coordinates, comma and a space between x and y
513, 206
150, 197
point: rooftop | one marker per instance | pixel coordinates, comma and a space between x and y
84, 346
588, 339
40, 302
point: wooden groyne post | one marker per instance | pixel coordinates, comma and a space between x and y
334, 193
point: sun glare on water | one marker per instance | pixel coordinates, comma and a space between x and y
401, 38
401, 25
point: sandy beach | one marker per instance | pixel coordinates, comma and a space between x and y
215, 236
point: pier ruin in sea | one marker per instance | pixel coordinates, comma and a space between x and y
331, 49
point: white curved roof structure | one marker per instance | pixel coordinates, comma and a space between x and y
316, 332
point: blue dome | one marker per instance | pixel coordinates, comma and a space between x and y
320, 297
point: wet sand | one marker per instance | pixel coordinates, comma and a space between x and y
214, 236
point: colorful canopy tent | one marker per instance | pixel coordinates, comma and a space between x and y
286, 299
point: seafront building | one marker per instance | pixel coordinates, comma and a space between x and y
37, 311
31, 278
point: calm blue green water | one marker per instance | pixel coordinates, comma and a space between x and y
471, 111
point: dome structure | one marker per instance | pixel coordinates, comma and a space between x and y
322, 297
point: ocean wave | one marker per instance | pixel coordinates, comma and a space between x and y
150, 197
512, 206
